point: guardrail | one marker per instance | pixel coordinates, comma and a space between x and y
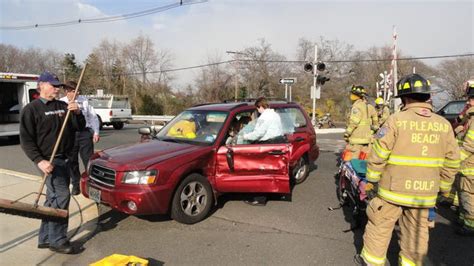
152, 119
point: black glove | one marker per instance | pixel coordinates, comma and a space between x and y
371, 190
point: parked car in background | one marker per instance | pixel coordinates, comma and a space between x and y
451, 110
184, 167
111, 110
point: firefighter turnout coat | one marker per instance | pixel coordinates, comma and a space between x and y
374, 118
358, 128
413, 157
466, 182
384, 113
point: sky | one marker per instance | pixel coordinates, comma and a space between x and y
194, 32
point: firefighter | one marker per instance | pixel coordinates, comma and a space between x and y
358, 133
374, 118
382, 110
414, 156
465, 182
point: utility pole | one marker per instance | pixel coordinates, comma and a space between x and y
286, 91
290, 93
315, 77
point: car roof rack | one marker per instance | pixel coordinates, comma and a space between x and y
255, 99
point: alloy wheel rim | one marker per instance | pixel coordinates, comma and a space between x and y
301, 169
193, 198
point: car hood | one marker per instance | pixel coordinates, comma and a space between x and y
141, 155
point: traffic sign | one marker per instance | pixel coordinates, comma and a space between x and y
288, 81
315, 92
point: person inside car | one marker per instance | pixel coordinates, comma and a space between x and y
183, 129
236, 126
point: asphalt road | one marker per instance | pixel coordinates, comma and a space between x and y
298, 232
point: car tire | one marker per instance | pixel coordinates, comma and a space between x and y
118, 125
301, 170
192, 200
101, 125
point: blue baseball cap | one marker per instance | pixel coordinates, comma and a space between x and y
49, 77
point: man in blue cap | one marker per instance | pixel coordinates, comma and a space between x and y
40, 123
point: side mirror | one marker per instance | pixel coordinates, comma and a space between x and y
144, 131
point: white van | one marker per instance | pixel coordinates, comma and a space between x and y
16, 91
111, 109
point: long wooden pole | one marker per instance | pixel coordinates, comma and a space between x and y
58, 140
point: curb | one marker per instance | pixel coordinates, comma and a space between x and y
329, 130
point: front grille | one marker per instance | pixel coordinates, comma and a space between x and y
102, 175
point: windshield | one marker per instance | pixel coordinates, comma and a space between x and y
194, 127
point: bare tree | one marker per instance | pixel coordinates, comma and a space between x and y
141, 56
214, 83
261, 70
453, 74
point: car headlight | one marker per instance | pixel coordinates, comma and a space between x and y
140, 177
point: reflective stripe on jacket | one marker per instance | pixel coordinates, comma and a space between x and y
467, 147
414, 156
358, 127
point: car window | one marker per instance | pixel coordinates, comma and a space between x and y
454, 108
120, 103
291, 119
99, 103
200, 127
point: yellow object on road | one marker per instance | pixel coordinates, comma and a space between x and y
117, 259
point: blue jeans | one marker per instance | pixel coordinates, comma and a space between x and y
57, 196
84, 146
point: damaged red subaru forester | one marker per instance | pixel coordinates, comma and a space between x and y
200, 154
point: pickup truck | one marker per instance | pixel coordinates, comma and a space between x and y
111, 110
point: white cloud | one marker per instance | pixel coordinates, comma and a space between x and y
192, 32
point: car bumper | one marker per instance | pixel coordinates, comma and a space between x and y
148, 199
120, 119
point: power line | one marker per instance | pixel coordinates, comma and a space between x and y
285, 61
105, 19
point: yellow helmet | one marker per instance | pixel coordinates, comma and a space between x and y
379, 101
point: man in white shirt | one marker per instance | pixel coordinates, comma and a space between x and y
268, 127
84, 142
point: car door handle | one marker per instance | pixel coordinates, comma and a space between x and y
299, 139
276, 152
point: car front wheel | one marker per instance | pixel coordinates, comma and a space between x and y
192, 201
301, 170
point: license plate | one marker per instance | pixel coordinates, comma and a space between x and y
94, 194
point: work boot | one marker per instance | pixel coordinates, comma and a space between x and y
75, 190
359, 260
43, 245
65, 248
465, 231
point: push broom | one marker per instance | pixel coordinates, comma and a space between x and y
15, 207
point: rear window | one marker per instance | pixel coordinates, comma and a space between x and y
120, 103
454, 108
99, 103
291, 119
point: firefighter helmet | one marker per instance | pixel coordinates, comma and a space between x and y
470, 88
413, 84
379, 101
358, 90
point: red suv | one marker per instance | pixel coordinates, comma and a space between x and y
182, 169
